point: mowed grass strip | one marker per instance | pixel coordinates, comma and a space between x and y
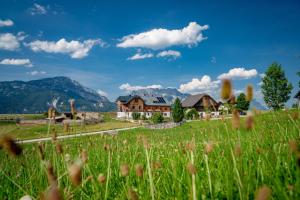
226, 163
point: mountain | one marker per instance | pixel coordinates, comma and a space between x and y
170, 94
255, 104
37, 95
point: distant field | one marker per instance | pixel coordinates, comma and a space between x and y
228, 163
31, 131
21, 116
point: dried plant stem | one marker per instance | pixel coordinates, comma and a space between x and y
193, 178
208, 174
149, 174
108, 175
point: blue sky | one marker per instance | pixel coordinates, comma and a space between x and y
118, 46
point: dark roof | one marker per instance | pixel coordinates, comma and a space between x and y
148, 100
297, 95
190, 101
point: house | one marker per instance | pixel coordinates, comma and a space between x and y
146, 105
202, 102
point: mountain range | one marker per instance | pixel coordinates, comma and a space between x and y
37, 96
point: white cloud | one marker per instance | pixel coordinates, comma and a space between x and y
162, 38
205, 84
38, 9
75, 49
238, 73
139, 56
9, 42
102, 93
25, 62
128, 87
262, 75
169, 53
6, 22
35, 73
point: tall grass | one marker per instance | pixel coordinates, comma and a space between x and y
241, 163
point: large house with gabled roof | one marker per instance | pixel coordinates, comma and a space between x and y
146, 105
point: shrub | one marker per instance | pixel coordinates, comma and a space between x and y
143, 117
177, 111
192, 114
157, 118
136, 116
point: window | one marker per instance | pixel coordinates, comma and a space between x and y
133, 107
139, 107
165, 114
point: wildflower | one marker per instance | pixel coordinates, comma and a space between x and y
249, 93
101, 178
226, 90
132, 195
139, 170
263, 193
235, 119
84, 156
124, 169
10, 145
191, 168
75, 173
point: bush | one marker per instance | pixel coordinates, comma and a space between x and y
157, 118
136, 116
177, 111
192, 114
143, 117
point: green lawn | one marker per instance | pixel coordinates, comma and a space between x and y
22, 132
230, 164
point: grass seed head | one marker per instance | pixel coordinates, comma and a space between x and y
293, 146
238, 150
72, 105
226, 89
191, 168
232, 99
156, 165
84, 156
53, 193
41, 151
139, 171
9, 144
101, 179
209, 147
106, 147
295, 115
263, 193
249, 93
52, 179
75, 173
132, 195
124, 169
59, 148
249, 121
235, 119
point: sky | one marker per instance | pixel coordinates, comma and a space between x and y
115, 47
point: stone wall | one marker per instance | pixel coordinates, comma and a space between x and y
164, 125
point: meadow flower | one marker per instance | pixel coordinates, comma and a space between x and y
124, 169
9, 144
101, 179
191, 168
226, 89
139, 171
75, 173
263, 193
249, 93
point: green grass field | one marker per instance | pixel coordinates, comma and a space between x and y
31, 131
227, 163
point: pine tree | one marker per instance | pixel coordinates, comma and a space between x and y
177, 111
